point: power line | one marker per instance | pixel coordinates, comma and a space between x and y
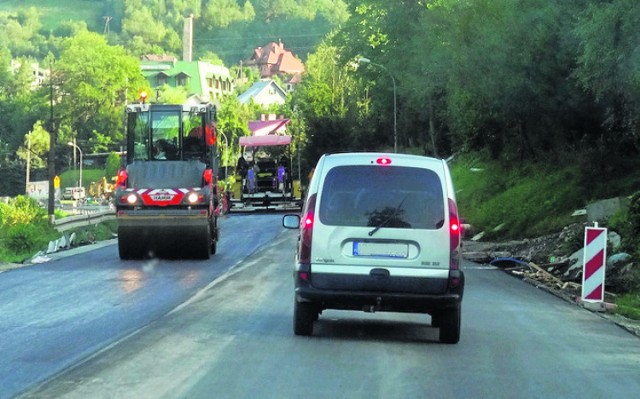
265, 37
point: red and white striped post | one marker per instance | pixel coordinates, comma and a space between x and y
595, 255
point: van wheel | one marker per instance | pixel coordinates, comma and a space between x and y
304, 315
449, 322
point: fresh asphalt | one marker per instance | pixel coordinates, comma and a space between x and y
57, 313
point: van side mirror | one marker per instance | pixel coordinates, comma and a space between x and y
291, 221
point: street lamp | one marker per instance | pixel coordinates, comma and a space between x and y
80, 151
393, 80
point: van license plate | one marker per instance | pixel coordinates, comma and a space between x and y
390, 250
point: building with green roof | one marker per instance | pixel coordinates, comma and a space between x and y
207, 81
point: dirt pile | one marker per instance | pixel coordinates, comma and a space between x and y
554, 259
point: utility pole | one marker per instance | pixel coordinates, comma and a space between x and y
28, 178
106, 19
395, 106
52, 149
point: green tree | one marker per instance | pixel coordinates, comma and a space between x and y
487, 74
113, 164
144, 27
329, 98
609, 67
233, 121
94, 81
23, 29
171, 95
35, 146
18, 102
222, 13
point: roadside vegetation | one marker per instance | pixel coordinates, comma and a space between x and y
24, 229
507, 201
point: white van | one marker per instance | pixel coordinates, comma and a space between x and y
379, 232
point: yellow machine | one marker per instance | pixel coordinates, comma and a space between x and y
101, 189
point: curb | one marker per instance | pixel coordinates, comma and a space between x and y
601, 309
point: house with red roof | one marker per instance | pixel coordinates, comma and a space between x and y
274, 59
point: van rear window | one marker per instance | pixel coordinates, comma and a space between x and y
368, 196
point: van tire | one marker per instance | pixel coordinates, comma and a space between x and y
449, 321
304, 315
435, 321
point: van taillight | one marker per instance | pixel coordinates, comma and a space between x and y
306, 230
454, 234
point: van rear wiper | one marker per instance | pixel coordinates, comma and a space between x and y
393, 214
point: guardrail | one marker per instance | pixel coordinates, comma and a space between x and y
72, 222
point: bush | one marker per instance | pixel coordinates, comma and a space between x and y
113, 165
21, 210
626, 222
24, 229
26, 239
634, 213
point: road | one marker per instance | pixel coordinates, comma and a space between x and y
231, 336
52, 315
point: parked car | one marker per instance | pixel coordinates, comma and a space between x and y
74, 193
379, 232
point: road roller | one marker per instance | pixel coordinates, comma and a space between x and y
166, 194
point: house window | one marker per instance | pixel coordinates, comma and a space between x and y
181, 80
162, 80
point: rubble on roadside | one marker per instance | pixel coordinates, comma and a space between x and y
545, 259
543, 262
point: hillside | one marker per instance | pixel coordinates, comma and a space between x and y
53, 12
530, 199
229, 32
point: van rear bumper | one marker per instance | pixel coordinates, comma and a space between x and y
380, 300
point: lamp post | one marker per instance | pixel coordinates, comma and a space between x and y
393, 80
80, 151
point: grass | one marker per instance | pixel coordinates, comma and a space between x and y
513, 201
95, 233
70, 177
84, 236
53, 12
628, 305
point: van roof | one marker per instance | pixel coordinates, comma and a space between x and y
329, 161
365, 158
